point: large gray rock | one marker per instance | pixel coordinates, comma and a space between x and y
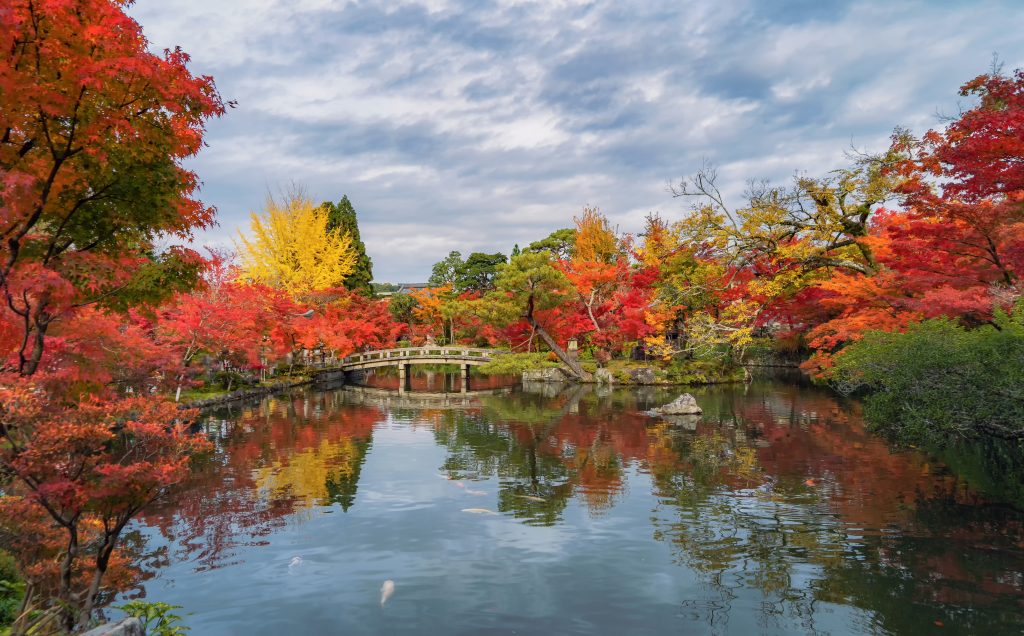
124, 627
551, 374
604, 376
643, 375
547, 389
685, 404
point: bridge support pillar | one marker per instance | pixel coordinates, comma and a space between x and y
465, 377
404, 377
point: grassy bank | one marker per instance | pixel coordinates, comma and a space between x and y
676, 372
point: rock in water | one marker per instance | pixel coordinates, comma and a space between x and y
685, 404
604, 376
551, 374
124, 627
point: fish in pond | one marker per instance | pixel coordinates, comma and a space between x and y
386, 591
479, 511
470, 491
531, 498
295, 562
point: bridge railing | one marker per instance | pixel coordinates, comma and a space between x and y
419, 352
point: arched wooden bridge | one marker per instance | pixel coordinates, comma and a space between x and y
405, 357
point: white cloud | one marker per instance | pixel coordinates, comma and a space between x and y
473, 125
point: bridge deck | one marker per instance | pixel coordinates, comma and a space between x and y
418, 355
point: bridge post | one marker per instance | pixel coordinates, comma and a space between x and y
404, 380
465, 377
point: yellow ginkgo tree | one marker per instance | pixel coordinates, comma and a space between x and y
290, 247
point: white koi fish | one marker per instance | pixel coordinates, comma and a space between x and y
479, 511
386, 591
531, 498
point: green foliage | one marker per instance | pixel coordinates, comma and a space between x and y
560, 244
156, 617
342, 215
530, 282
384, 287
400, 306
229, 380
516, 363
940, 382
769, 351
709, 371
12, 589
478, 272
446, 271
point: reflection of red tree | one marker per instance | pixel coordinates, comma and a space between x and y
815, 445
222, 506
595, 446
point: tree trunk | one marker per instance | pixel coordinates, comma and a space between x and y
590, 310
102, 562
570, 362
67, 565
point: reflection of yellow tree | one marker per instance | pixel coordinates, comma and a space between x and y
305, 476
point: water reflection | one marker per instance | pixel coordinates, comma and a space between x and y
774, 512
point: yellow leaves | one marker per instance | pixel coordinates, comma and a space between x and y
595, 239
291, 248
658, 346
659, 241
305, 475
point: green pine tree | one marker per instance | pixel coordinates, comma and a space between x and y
343, 215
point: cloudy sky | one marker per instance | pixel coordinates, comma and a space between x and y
476, 125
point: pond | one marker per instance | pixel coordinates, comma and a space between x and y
567, 510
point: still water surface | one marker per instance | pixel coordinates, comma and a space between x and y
774, 513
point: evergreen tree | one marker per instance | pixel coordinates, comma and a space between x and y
446, 271
342, 215
478, 271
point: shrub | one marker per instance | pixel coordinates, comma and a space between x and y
156, 617
516, 363
939, 382
229, 380
714, 371
11, 589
